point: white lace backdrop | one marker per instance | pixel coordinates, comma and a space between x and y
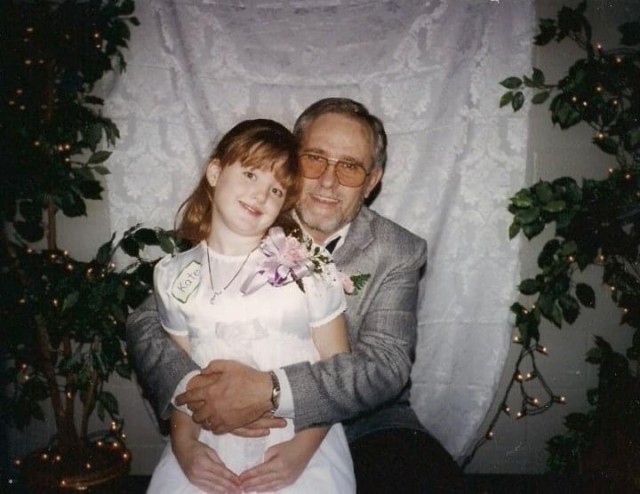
429, 69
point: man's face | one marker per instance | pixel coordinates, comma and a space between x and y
325, 205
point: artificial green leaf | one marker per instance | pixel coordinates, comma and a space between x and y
555, 206
570, 308
630, 33
127, 7
506, 99
99, 157
569, 248
577, 422
70, 300
606, 144
531, 230
109, 402
91, 189
564, 113
514, 229
538, 77
547, 32
92, 135
101, 170
594, 355
104, 252
550, 309
130, 246
123, 370
147, 236
541, 97
632, 140
586, 295
511, 82
166, 243
518, 101
544, 192
528, 215
31, 232
522, 199
529, 287
527, 82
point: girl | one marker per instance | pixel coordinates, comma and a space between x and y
264, 299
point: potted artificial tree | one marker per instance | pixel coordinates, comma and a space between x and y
597, 222
63, 319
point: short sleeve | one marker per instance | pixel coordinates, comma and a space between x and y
171, 314
325, 296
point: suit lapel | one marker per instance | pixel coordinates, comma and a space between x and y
358, 239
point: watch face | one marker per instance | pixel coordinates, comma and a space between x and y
275, 391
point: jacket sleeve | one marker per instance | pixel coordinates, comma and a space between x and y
379, 367
159, 363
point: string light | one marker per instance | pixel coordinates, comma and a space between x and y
541, 349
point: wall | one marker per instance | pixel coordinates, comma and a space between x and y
519, 446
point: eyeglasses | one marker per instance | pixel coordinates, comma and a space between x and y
348, 173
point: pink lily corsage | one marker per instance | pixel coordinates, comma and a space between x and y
287, 260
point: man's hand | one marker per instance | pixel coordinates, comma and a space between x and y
235, 395
203, 467
260, 427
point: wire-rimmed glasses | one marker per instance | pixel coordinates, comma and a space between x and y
348, 173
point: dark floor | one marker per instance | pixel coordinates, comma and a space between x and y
474, 484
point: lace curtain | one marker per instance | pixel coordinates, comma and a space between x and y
429, 69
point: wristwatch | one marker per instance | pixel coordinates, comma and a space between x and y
275, 392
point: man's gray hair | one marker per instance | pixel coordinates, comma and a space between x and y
351, 109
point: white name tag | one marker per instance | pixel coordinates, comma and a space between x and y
186, 282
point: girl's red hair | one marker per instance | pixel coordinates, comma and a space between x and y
261, 143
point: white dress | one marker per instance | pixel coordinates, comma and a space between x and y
266, 329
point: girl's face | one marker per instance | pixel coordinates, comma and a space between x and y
246, 201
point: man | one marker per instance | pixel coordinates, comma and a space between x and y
342, 157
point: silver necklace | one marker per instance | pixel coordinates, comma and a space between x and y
216, 294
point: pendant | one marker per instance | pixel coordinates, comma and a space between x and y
213, 298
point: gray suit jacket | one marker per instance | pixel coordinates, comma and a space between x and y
367, 389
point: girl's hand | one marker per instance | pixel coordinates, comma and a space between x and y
203, 467
283, 464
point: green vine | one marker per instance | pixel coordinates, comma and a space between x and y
596, 223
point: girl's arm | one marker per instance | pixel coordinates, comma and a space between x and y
200, 463
285, 462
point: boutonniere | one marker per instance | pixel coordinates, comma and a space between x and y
354, 283
288, 258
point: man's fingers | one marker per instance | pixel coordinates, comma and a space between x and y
268, 422
250, 432
218, 366
191, 395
